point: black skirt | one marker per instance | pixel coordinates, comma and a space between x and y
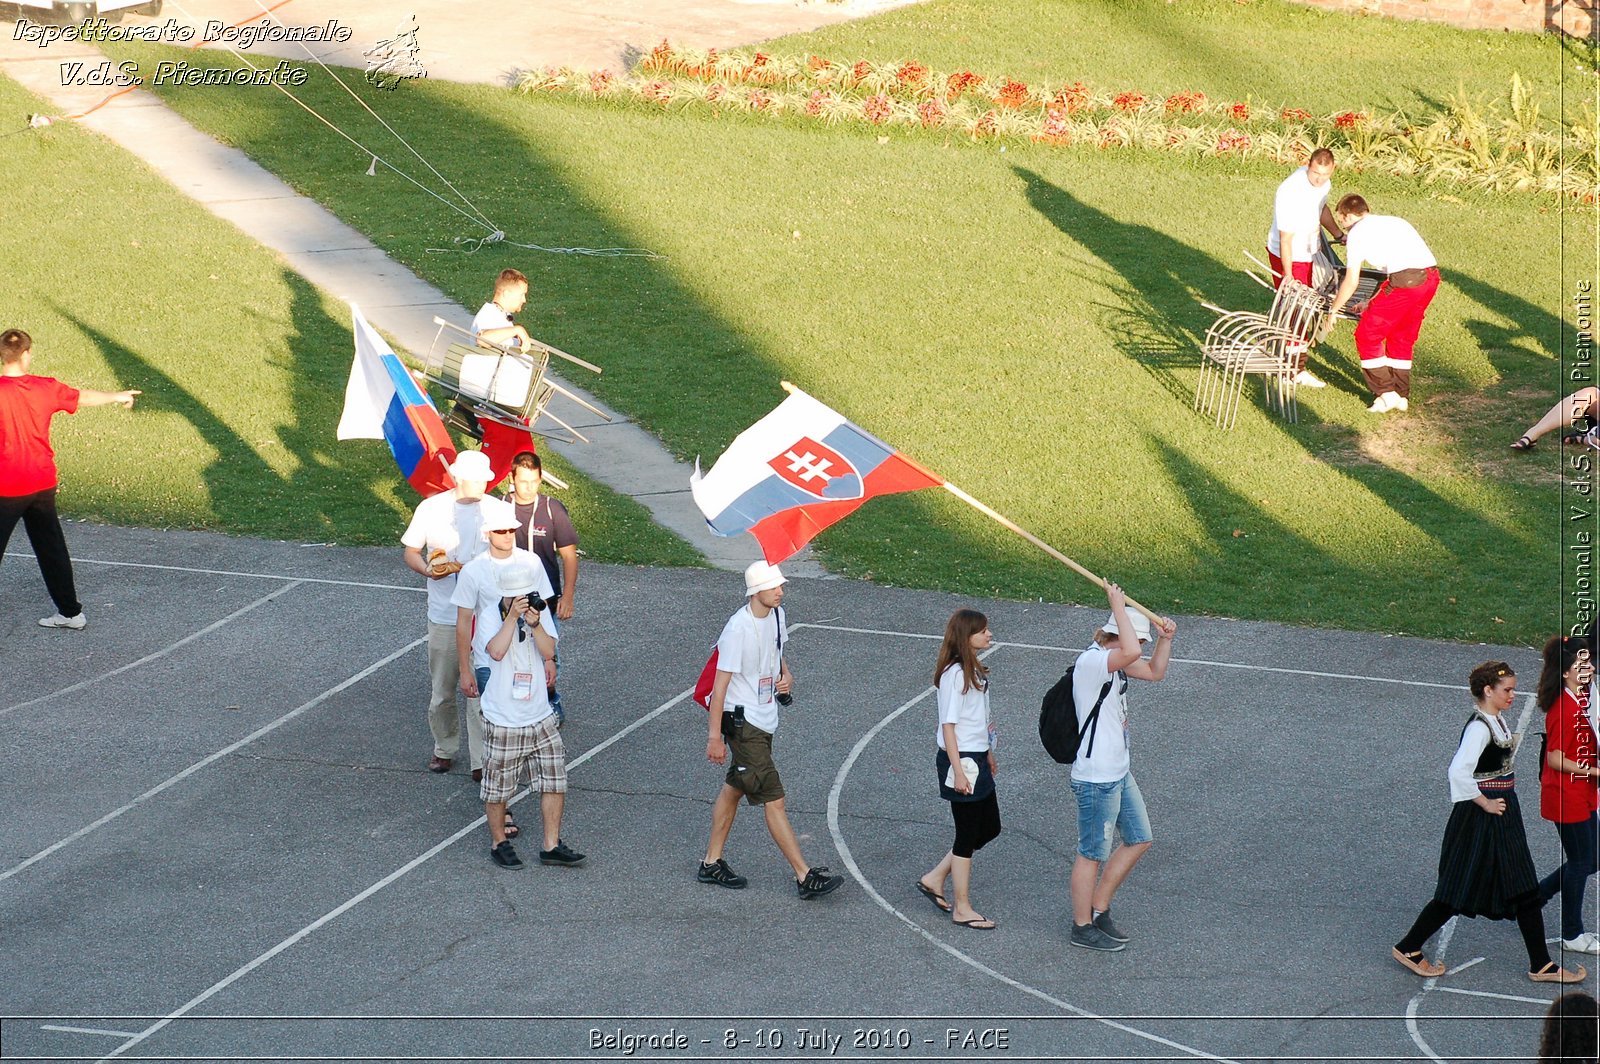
982, 787
1484, 865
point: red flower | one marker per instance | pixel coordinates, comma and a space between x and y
658, 92
1186, 102
1233, 140
1294, 114
877, 108
1239, 112
600, 81
1350, 119
1128, 101
1074, 97
762, 58
930, 113
860, 71
911, 74
660, 57
960, 82
1013, 94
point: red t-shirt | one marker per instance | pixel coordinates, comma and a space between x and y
27, 403
1563, 797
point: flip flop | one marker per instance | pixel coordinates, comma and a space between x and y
1420, 964
982, 923
934, 896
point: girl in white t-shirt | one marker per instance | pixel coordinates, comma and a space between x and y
965, 733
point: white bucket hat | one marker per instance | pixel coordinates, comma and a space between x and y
498, 516
517, 580
471, 465
760, 576
1141, 625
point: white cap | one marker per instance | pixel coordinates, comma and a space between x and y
498, 515
517, 580
760, 576
1141, 625
471, 465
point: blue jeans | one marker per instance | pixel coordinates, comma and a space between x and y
1580, 844
1107, 807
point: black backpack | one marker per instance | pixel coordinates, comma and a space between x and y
1058, 720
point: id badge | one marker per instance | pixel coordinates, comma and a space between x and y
522, 686
765, 689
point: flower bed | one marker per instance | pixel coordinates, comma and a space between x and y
1501, 145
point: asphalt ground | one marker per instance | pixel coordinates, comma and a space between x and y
219, 839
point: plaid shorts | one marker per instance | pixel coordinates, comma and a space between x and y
506, 751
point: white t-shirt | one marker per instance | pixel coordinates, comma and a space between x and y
515, 696
478, 589
1387, 243
968, 711
748, 648
1297, 209
1107, 761
440, 520
490, 316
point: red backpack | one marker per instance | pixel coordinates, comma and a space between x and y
708, 675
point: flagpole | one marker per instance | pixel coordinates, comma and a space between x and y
989, 512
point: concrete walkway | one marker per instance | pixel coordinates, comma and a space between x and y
343, 262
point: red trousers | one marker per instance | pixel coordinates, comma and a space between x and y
1302, 271
1387, 333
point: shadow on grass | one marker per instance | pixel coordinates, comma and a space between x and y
327, 492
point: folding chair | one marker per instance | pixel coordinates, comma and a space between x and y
1242, 343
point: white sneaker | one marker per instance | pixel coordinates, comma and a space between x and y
1383, 403
1584, 943
58, 621
1306, 379
1399, 402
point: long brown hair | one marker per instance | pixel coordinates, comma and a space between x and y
1559, 654
957, 647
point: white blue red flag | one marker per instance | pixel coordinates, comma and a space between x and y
383, 402
797, 471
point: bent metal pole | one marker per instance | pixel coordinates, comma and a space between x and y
988, 511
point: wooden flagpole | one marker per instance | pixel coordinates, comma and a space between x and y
987, 511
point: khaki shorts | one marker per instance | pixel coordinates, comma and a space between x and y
750, 768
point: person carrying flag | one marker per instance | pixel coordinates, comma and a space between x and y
752, 681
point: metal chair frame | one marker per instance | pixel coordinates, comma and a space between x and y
1242, 343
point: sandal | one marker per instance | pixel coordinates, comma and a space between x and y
1524, 444
982, 923
512, 831
1554, 973
934, 896
1420, 964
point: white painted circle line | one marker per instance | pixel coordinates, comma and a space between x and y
855, 871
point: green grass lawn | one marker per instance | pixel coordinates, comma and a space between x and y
1024, 321
124, 282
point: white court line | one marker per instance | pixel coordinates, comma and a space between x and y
333, 914
83, 1030
965, 958
1464, 967
1486, 994
203, 762
231, 572
1414, 1005
1175, 661
207, 630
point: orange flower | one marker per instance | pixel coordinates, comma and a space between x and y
1074, 97
1239, 112
930, 113
1185, 102
1128, 101
860, 71
600, 81
1013, 94
816, 62
877, 108
911, 74
1350, 119
1233, 140
1294, 114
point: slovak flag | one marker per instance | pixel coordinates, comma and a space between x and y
797, 471
383, 402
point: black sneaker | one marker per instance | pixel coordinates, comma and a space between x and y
1109, 929
719, 873
1091, 937
818, 882
561, 855
505, 855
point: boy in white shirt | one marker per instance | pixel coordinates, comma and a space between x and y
1109, 802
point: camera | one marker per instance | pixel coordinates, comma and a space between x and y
538, 604
783, 699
